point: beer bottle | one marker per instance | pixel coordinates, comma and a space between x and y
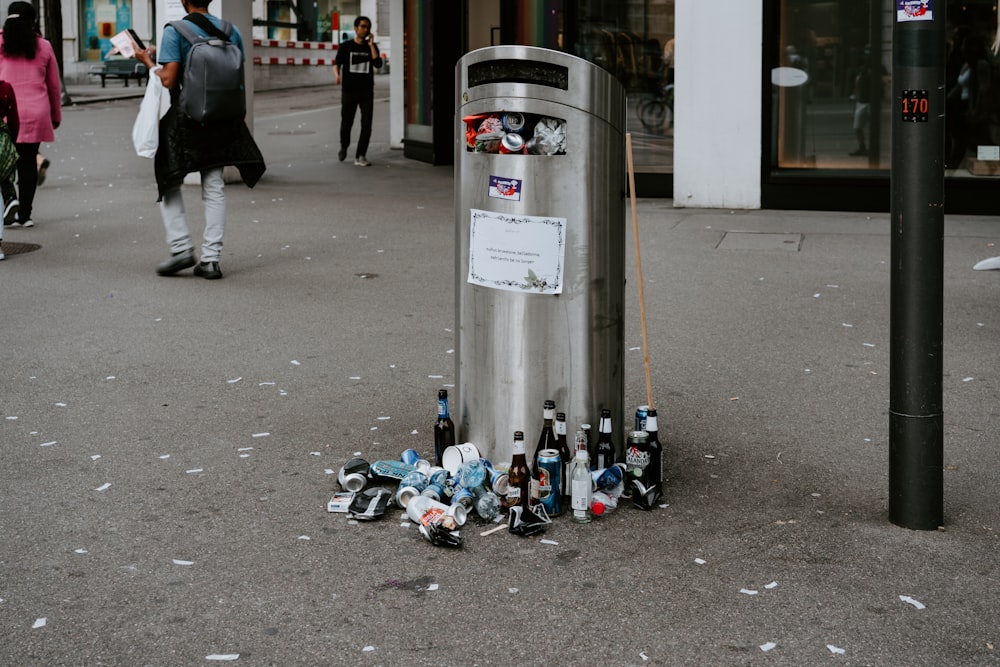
444, 428
518, 477
604, 451
562, 446
547, 440
581, 488
652, 474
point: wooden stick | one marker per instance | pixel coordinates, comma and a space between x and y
638, 270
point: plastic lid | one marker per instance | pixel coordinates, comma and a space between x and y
597, 507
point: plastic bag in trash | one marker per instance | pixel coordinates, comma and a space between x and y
549, 138
370, 504
528, 522
643, 498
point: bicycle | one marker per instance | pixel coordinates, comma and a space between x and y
653, 111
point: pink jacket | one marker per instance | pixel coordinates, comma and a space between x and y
36, 85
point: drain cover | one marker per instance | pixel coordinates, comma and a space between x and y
10, 248
760, 241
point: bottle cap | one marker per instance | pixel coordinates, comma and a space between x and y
597, 507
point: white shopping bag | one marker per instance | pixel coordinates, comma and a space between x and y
146, 130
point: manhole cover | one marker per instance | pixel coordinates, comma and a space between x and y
760, 241
10, 248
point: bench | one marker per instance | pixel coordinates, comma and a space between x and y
120, 68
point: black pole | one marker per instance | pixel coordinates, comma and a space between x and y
916, 452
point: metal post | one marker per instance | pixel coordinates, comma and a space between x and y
916, 457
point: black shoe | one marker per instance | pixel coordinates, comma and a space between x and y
42, 169
10, 210
208, 270
342, 154
177, 262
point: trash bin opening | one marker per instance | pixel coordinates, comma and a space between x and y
518, 71
514, 133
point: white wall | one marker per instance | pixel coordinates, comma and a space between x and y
717, 104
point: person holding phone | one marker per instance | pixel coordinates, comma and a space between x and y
354, 69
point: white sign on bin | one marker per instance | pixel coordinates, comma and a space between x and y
517, 253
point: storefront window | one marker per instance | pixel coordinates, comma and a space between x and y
103, 19
634, 40
831, 87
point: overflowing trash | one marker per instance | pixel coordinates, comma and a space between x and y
440, 497
512, 132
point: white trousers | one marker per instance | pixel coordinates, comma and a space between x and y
213, 197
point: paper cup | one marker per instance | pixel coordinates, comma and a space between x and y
456, 455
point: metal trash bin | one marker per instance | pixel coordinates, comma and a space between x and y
540, 245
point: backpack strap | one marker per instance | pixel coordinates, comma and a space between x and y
202, 22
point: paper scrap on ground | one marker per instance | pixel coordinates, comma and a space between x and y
916, 603
222, 656
94, 457
103, 487
183, 562
773, 584
368, 649
433, 587
304, 537
48, 444
234, 380
700, 561
968, 379
642, 654
295, 362
194, 470
39, 623
80, 551
512, 590
552, 542
165, 456
260, 435
747, 591
835, 650
767, 647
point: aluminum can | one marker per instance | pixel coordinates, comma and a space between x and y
434, 492
641, 413
512, 143
636, 458
513, 121
550, 480
410, 456
464, 498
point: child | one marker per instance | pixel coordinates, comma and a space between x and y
8, 155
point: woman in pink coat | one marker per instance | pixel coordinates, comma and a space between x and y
28, 63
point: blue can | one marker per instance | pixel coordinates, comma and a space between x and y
512, 122
641, 413
410, 456
550, 481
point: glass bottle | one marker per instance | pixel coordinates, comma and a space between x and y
518, 477
652, 474
444, 428
565, 455
581, 488
547, 440
604, 450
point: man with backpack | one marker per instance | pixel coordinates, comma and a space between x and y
201, 64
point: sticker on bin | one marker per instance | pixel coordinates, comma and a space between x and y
505, 188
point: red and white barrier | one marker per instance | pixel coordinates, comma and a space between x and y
275, 52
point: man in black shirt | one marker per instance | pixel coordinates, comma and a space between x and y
354, 68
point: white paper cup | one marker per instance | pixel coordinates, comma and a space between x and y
456, 455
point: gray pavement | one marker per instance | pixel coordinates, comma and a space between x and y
168, 444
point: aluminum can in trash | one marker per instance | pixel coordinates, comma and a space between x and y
512, 121
410, 456
641, 413
434, 492
512, 143
550, 481
463, 497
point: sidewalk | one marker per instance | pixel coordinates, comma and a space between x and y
169, 444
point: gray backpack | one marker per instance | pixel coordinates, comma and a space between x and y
212, 86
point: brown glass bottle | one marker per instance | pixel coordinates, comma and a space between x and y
518, 477
444, 428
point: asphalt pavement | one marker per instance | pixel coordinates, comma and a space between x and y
169, 444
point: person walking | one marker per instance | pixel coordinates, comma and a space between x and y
28, 63
357, 60
8, 154
186, 145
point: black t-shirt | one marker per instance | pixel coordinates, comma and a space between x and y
357, 67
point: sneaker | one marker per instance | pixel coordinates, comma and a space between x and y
27, 223
208, 270
177, 262
10, 212
342, 154
43, 167
362, 162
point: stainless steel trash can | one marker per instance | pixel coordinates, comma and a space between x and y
540, 245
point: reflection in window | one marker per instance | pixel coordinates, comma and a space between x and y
831, 92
